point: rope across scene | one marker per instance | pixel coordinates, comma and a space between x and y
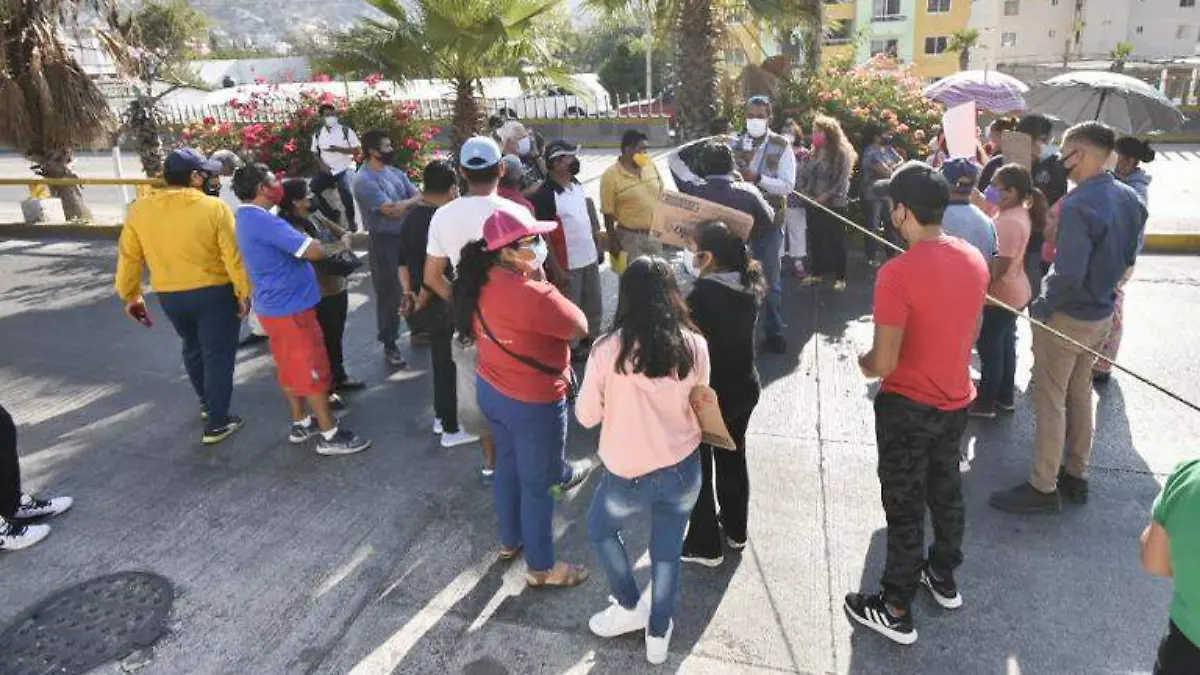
1019, 314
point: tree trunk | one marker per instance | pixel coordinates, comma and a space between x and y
143, 123
964, 59
466, 112
56, 164
700, 30
814, 40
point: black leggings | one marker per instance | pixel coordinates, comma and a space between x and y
331, 314
827, 243
1177, 655
10, 470
732, 479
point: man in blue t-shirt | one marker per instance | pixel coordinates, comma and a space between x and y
285, 297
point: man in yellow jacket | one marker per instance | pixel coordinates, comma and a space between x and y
187, 240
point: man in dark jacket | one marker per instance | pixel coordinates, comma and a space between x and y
720, 186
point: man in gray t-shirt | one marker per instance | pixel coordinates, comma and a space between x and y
963, 219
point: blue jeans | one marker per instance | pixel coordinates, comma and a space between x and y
767, 247
997, 346
207, 321
669, 494
531, 439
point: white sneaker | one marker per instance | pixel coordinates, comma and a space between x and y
616, 620
14, 537
658, 648
32, 507
458, 438
437, 427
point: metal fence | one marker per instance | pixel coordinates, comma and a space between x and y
526, 108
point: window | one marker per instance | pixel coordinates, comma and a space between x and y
1139, 30
885, 10
937, 6
936, 45
1187, 3
889, 47
1052, 33
1054, 3
1008, 39
839, 32
1012, 7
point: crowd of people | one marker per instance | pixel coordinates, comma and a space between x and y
494, 260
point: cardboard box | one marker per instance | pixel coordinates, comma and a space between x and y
677, 214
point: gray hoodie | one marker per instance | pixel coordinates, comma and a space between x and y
1139, 180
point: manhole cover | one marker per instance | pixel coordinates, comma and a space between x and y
84, 626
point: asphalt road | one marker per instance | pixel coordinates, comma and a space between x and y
287, 562
1174, 191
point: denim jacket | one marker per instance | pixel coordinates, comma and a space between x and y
1099, 231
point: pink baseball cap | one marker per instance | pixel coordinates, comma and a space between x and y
504, 227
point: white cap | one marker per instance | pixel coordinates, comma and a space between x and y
479, 152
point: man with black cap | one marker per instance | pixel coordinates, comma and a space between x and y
928, 301
714, 160
187, 240
575, 245
963, 219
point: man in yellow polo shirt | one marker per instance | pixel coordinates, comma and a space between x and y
187, 240
629, 191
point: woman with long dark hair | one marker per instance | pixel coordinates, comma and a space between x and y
296, 209
827, 180
724, 305
1022, 208
523, 327
639, 381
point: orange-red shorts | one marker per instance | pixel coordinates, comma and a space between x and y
299, 350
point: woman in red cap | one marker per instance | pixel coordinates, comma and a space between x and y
524, 328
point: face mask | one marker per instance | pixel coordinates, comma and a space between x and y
524, 146
818, 141
992, 194
212, 186
689, 264
573, 167
330, 120
641, 159
756, 127
540, 251
275, 193
1048, 151
387, 157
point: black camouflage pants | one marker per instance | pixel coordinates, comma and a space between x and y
918, 465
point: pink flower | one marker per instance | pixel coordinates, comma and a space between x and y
261, 80
903, 128
373, 79
209, 121
435, 130
412, 144
187, 135
290, 146
322, 77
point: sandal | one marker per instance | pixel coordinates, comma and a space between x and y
505, 554
562, 575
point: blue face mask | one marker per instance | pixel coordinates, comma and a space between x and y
992, 194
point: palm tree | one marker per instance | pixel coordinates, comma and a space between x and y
699, 28
1118, 55
50, 105
459, 41
963, 41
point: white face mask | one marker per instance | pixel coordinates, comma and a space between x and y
331, 120
540, 251
1048, 151
524, 146
689, 264
756, 127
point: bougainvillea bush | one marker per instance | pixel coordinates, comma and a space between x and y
879, 93
277, 130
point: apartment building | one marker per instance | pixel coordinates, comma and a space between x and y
911, 31
1014, 32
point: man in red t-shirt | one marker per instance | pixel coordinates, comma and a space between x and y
927, 307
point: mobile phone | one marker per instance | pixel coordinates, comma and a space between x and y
140, 313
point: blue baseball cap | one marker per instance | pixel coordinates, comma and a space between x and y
961, 173
479, 152
189, 159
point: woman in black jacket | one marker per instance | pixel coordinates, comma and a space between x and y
296, 208
724, 305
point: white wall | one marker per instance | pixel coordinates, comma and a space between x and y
1161, 22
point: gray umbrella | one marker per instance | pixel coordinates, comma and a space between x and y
1120, 101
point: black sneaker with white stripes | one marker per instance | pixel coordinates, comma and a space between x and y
871, 611
35, 507
302, 431
344, 442
16, 536
944, 590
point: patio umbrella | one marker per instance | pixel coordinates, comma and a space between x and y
1120, 101
989, 89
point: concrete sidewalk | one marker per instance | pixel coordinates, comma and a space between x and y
287, 562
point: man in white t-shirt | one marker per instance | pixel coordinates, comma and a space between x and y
334, 146
452, 227
562, 198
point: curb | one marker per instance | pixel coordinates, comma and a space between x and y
1172, 242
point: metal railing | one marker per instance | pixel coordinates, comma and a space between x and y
621, 106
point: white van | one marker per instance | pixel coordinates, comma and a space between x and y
589, 99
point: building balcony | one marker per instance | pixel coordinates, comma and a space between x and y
888, 18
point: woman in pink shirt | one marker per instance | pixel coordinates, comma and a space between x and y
1022, 207
638, 382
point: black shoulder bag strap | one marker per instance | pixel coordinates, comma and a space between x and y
569, 375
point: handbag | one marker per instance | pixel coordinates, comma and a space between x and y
341, 264
569, 375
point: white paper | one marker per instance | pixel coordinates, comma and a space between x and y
958, 123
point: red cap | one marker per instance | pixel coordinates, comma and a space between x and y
504, 227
